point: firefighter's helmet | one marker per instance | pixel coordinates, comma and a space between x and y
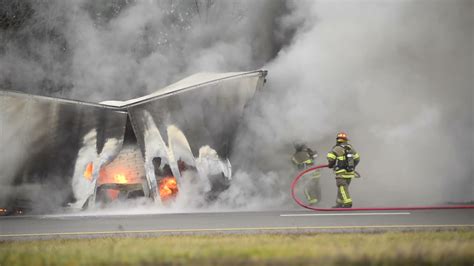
299, 146
342, 137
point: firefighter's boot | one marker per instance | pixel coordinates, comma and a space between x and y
313, 201
342, 205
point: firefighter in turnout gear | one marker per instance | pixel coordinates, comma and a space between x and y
304, 158
343, 159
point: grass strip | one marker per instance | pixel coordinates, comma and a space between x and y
390, 248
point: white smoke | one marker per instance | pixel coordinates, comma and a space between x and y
122, 49
396, 75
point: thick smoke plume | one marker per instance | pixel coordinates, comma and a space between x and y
397, 76
101, 50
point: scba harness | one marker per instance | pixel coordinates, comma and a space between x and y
345, 161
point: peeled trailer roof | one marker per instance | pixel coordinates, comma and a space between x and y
44, 135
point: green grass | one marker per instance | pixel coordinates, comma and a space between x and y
391, 248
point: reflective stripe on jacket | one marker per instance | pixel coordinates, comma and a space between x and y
338, 154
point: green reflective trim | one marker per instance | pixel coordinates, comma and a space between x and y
316, 175
310, 199
347, 176
345, 172
313, 201
345, 199
309, 161
307, 194
331, 155
356, 156
341, 158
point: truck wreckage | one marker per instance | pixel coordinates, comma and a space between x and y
95, 153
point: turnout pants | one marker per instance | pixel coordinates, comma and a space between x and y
312, 189
343, 196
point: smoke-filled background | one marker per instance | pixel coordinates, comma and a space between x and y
397, 76
101, 50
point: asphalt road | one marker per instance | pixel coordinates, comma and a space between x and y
78, 226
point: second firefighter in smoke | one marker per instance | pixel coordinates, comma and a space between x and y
304, 158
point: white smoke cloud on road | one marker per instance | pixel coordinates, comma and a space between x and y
397, 76
102, 50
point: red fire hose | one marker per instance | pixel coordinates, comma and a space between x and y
299, 202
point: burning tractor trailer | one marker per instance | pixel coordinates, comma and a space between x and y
59, 152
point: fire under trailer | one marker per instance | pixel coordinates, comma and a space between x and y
89, 153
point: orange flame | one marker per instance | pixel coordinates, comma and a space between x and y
88, 171
168, 188
120, 179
